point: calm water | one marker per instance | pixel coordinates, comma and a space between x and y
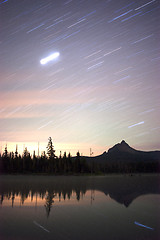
111, 207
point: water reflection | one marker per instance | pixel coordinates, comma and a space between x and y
47, 189
49, 201
91, 208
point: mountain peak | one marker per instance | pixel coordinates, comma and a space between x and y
121, 147
123, 142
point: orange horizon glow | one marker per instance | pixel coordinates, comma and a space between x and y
72, 148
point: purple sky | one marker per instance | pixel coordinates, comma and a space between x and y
102, 88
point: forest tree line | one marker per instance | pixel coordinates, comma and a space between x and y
49, 163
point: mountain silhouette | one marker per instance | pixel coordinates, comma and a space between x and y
123, 152
121, 158
122, 147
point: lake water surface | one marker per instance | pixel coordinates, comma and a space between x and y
80, 207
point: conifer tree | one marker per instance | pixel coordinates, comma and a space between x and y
50, 149
5, 160
51, 155
16, 152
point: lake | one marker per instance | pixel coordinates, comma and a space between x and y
80, 207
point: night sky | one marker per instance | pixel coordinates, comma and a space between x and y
102, 88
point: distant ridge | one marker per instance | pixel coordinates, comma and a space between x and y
122, 153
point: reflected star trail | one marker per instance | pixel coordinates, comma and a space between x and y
84, 72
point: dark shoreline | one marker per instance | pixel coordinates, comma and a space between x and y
83, 174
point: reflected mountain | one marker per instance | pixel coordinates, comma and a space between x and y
122, 188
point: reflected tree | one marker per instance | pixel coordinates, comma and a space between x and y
1, 199
13, 198
49, 201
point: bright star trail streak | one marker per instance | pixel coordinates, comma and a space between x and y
49, 58
120, 16
141, 225
145, 5
135, 124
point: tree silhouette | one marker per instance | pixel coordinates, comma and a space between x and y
16, 152
49, 163
70, 167
27, 162
77, 164
5, 160
51, 155
50, 149
65, 162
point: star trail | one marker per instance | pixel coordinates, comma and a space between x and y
84, 72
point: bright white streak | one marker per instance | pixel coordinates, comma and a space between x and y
142, 39
135, 124
112, 51
77, 23
49, 58
95, 65
145, 4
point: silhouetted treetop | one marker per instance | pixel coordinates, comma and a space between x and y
50, 149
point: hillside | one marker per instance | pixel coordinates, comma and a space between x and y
123, 156
123, 151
